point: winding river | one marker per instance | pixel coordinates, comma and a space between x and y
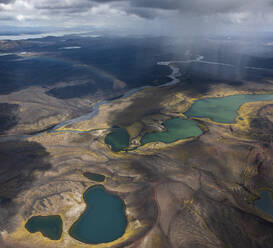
174, 80
95, 110
173, 76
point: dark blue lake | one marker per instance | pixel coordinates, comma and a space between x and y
50, 226
104, 219
265, 203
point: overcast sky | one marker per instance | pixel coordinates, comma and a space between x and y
158, 16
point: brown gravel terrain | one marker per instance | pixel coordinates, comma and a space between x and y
188, 194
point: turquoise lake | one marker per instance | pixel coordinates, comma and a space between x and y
223, 109
104, 219
50, 226
176, 129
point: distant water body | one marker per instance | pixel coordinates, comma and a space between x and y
47, 34
71, 47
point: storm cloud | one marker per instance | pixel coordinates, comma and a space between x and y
6, 1
141, 14
209, 7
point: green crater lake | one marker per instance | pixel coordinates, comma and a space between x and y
50, 226
265, 203
118, 139
104, 219
94, 177
223, 109
176, 129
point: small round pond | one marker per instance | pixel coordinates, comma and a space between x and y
265, 203
94, 177
118, 139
